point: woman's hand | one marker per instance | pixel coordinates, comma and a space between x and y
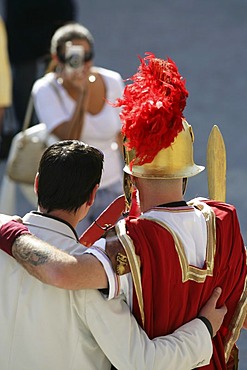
75, 80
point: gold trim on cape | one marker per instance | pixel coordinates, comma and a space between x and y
236, 323
134, 262
190, 272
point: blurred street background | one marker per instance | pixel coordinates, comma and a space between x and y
207, 40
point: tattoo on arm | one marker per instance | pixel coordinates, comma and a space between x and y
33, 257
36, 256
26, 251
56, 267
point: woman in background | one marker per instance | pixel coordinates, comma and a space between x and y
72, 100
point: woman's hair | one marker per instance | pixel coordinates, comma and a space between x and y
67, 33
68, 173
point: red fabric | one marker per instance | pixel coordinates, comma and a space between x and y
169, 303
104, 221
135, 205
9, 232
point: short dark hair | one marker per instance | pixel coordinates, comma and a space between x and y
68, 172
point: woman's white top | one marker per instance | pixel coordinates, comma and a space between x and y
54, 106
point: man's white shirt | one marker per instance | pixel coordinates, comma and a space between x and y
43, 327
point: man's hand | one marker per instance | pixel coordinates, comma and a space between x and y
6, 218
213, 314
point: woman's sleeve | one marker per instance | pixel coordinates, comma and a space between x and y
48, 106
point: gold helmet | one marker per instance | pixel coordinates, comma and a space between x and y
173, 162
158, 140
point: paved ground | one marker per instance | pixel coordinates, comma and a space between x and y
207, 39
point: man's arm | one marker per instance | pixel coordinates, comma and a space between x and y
128, 347
47, 263
55, 267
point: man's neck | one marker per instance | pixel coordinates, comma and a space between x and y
152, 193
152, 203
66, 216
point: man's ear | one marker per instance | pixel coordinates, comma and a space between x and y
36, 183
92, 195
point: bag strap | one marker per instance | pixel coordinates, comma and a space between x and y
28, 114
30, 106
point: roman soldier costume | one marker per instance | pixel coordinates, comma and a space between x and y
178, 253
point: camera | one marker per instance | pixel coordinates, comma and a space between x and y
74, 56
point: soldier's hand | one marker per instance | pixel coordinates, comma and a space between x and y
213, 314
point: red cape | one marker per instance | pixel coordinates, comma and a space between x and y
168, 301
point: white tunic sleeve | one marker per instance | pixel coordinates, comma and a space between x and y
98, 250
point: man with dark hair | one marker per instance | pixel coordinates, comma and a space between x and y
82, 162
47, 328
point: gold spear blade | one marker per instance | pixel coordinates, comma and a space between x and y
216, 165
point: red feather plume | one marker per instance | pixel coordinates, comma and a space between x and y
152, 107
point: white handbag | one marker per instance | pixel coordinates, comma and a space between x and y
27, 148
